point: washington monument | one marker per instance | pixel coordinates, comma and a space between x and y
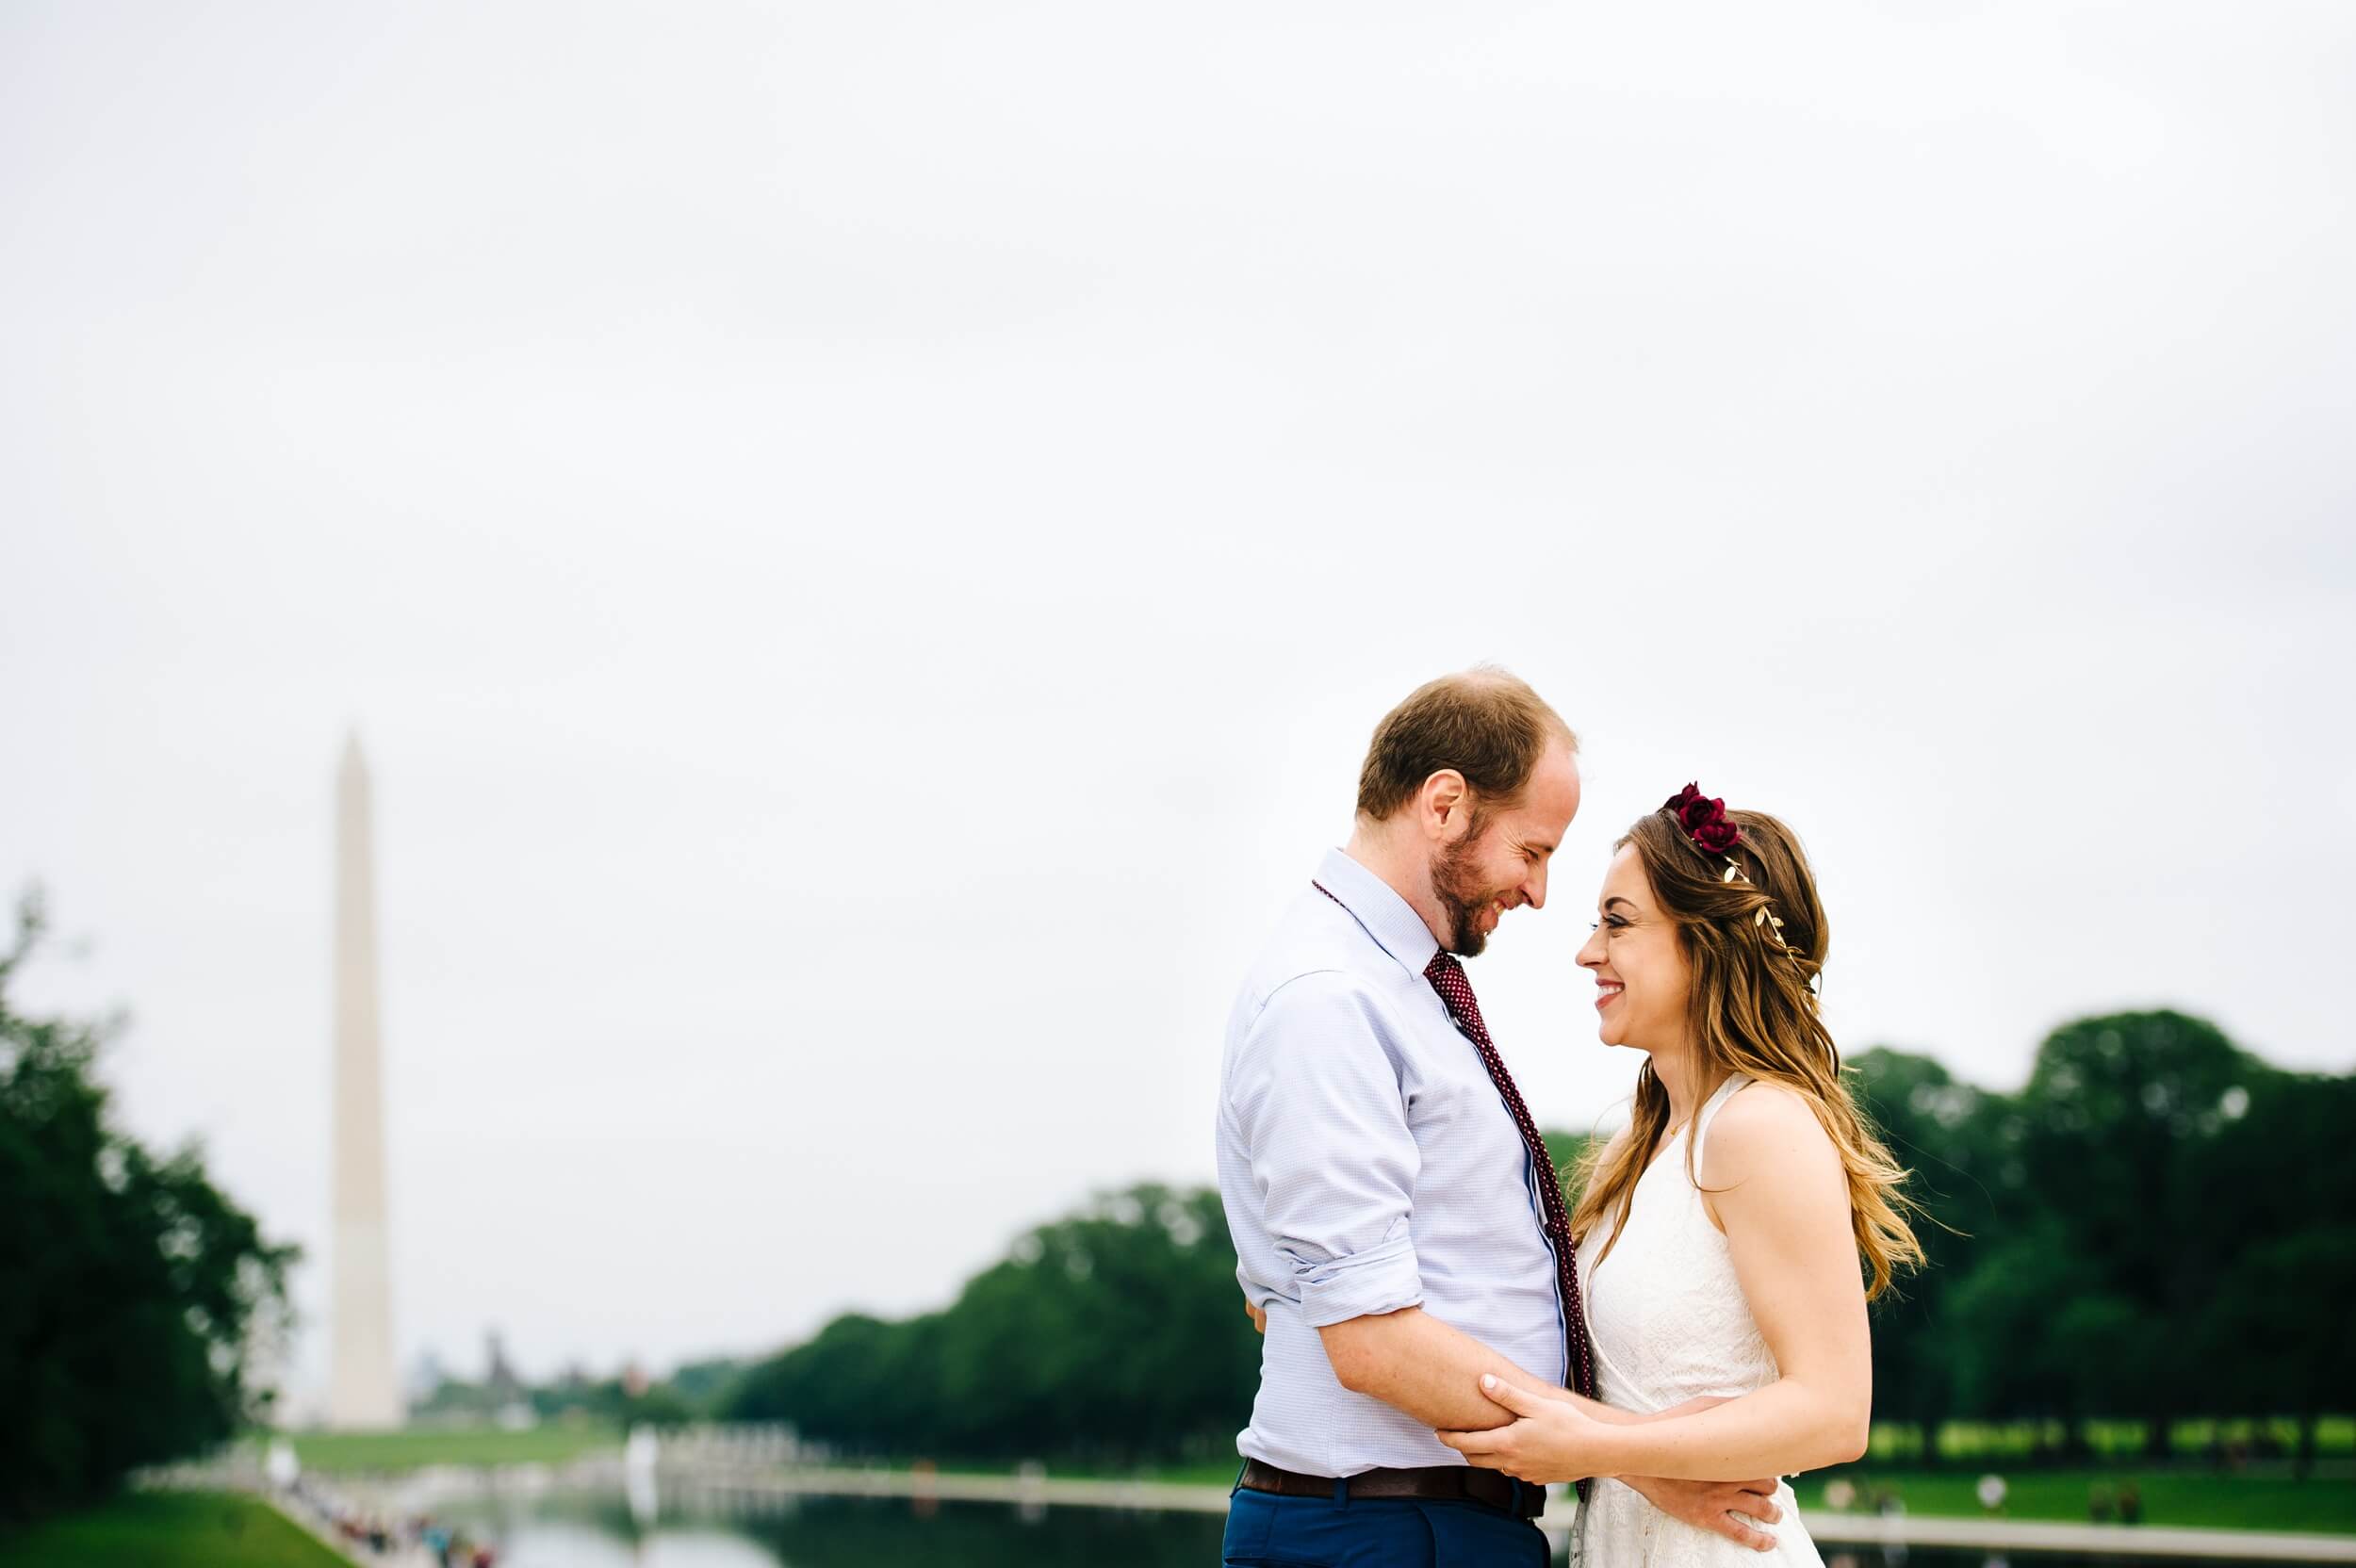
361, 1388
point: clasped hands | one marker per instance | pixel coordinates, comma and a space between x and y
1551, 1439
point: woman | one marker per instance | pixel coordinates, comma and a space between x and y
1720, 1236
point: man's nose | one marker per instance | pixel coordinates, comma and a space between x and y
1535, 890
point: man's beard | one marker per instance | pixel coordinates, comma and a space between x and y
1456, 882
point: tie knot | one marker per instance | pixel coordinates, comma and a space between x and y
1447, 977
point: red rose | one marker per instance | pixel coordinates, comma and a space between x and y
1704, 820
1698, 813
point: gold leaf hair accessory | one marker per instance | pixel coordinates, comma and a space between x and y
1704, 821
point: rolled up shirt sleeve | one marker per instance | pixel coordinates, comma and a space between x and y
1325, 1126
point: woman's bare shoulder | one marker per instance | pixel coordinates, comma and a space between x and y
1764, 1128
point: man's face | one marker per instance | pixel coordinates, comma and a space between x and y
1499, 862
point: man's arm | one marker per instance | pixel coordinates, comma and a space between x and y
1315, 1103
1411, 1360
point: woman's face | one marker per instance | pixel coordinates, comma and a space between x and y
1640, 970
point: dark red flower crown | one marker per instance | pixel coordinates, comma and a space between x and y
1704, 820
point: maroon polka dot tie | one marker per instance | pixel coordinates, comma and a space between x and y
1447, 977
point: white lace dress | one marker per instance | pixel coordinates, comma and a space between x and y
1669, 1324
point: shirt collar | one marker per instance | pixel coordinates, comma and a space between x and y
1390, 919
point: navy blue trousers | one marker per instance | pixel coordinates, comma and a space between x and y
1265, 1531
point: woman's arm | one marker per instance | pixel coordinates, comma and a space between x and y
1773, 1180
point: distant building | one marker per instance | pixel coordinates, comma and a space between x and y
502, 1389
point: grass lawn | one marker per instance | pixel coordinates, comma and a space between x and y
2325, 1503
169, 1529
376, 1453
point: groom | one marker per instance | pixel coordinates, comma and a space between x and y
1398, 1224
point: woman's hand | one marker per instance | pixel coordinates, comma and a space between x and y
1549, 1440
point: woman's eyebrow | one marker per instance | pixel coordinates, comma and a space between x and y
1609, 902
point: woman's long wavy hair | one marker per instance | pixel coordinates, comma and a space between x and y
1751, 1010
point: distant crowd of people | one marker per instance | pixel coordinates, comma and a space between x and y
444, 1545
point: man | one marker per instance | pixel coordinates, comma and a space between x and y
1397, 1225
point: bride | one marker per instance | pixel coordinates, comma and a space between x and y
1729, 1238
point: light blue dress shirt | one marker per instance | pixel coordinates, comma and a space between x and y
1368, 1164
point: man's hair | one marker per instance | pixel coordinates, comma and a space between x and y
1486, 724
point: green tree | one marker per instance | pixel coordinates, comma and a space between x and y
2277, 1179
1116, 1333
1939, 1129
137, 1293
1567, 1150
2114, 1131
2005, 1360
704, 1384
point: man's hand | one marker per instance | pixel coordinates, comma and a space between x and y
1727, 1508
1259, 1318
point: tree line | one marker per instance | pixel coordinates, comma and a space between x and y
2156, 1226
1115, 1334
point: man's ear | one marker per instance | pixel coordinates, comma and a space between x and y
1443, 806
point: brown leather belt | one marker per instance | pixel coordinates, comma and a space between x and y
1447, 1483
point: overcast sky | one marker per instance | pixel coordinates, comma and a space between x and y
863, 544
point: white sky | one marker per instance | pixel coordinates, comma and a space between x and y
864, 543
